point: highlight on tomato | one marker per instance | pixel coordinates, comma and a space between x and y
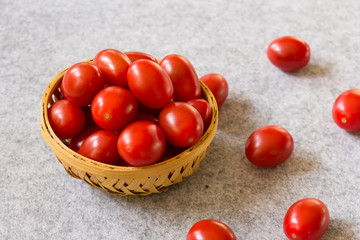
210, 229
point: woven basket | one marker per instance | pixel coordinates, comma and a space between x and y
126, 180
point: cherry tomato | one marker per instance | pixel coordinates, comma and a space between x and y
141, 143
181, 123
289, 53
203, 108
150, 84
346, 110
210, 230
140, 55
307, 219
66, 119
114, 66
81, 83
183, 76
269, 146
217, 85
147, 117
113, 108
101, 146
78, 140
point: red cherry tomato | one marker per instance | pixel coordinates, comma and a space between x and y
181, 123
66, 119
101, 146
114, 66
141, 143
113, 108
346, 110
269, 146
140, 55
203, 108
147, 117
289, 53
217, 85
150, 84
81, 83
307, 219
183, 76
210, 230
78, 140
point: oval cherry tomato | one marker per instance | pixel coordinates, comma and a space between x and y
346, 110
66, 119
78, 140
140, 55
269, 146
113, 108
141, 143
181, 123
114, 66
203, 108
217, 85
147, 117
183, 76
81, 83
150, 84
289, 53
101, 146
210, 230
307, 219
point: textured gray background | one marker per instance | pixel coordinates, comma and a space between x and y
38, 39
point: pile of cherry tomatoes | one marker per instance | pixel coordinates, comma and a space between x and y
131, 109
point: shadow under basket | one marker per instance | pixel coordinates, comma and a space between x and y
120, 179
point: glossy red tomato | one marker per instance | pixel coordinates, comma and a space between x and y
147, 117
346, 110
181, 123
307, 219
289, 53
101, 146
78, 140
141, 143
66, 119
81, 83
140, 55
217, 85
113, 108
269, 146
203, 108
183, 76
150, 84
210, 230
114, 66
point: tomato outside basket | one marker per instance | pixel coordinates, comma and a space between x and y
126, 180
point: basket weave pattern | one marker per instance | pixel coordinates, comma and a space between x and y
126, 180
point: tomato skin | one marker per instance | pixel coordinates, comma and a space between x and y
217, 85
203, 108
133, 56
81, 83
66, 119
147, 117
150, 84
113, 108
269, 146
183, 76
113, 65
181, 123
346, 110
306, 219
78, 140
289, 53
141, 143
210, 230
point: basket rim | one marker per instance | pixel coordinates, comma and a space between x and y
106, 170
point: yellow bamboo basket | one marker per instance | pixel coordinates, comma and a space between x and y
123, 180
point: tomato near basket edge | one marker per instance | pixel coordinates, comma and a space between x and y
217, 85
203, 107
306, 219
269, 146
133, 56
78, 140
210, 229
346, 110
66, 119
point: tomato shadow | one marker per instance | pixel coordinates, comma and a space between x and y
339, 229
312, 70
